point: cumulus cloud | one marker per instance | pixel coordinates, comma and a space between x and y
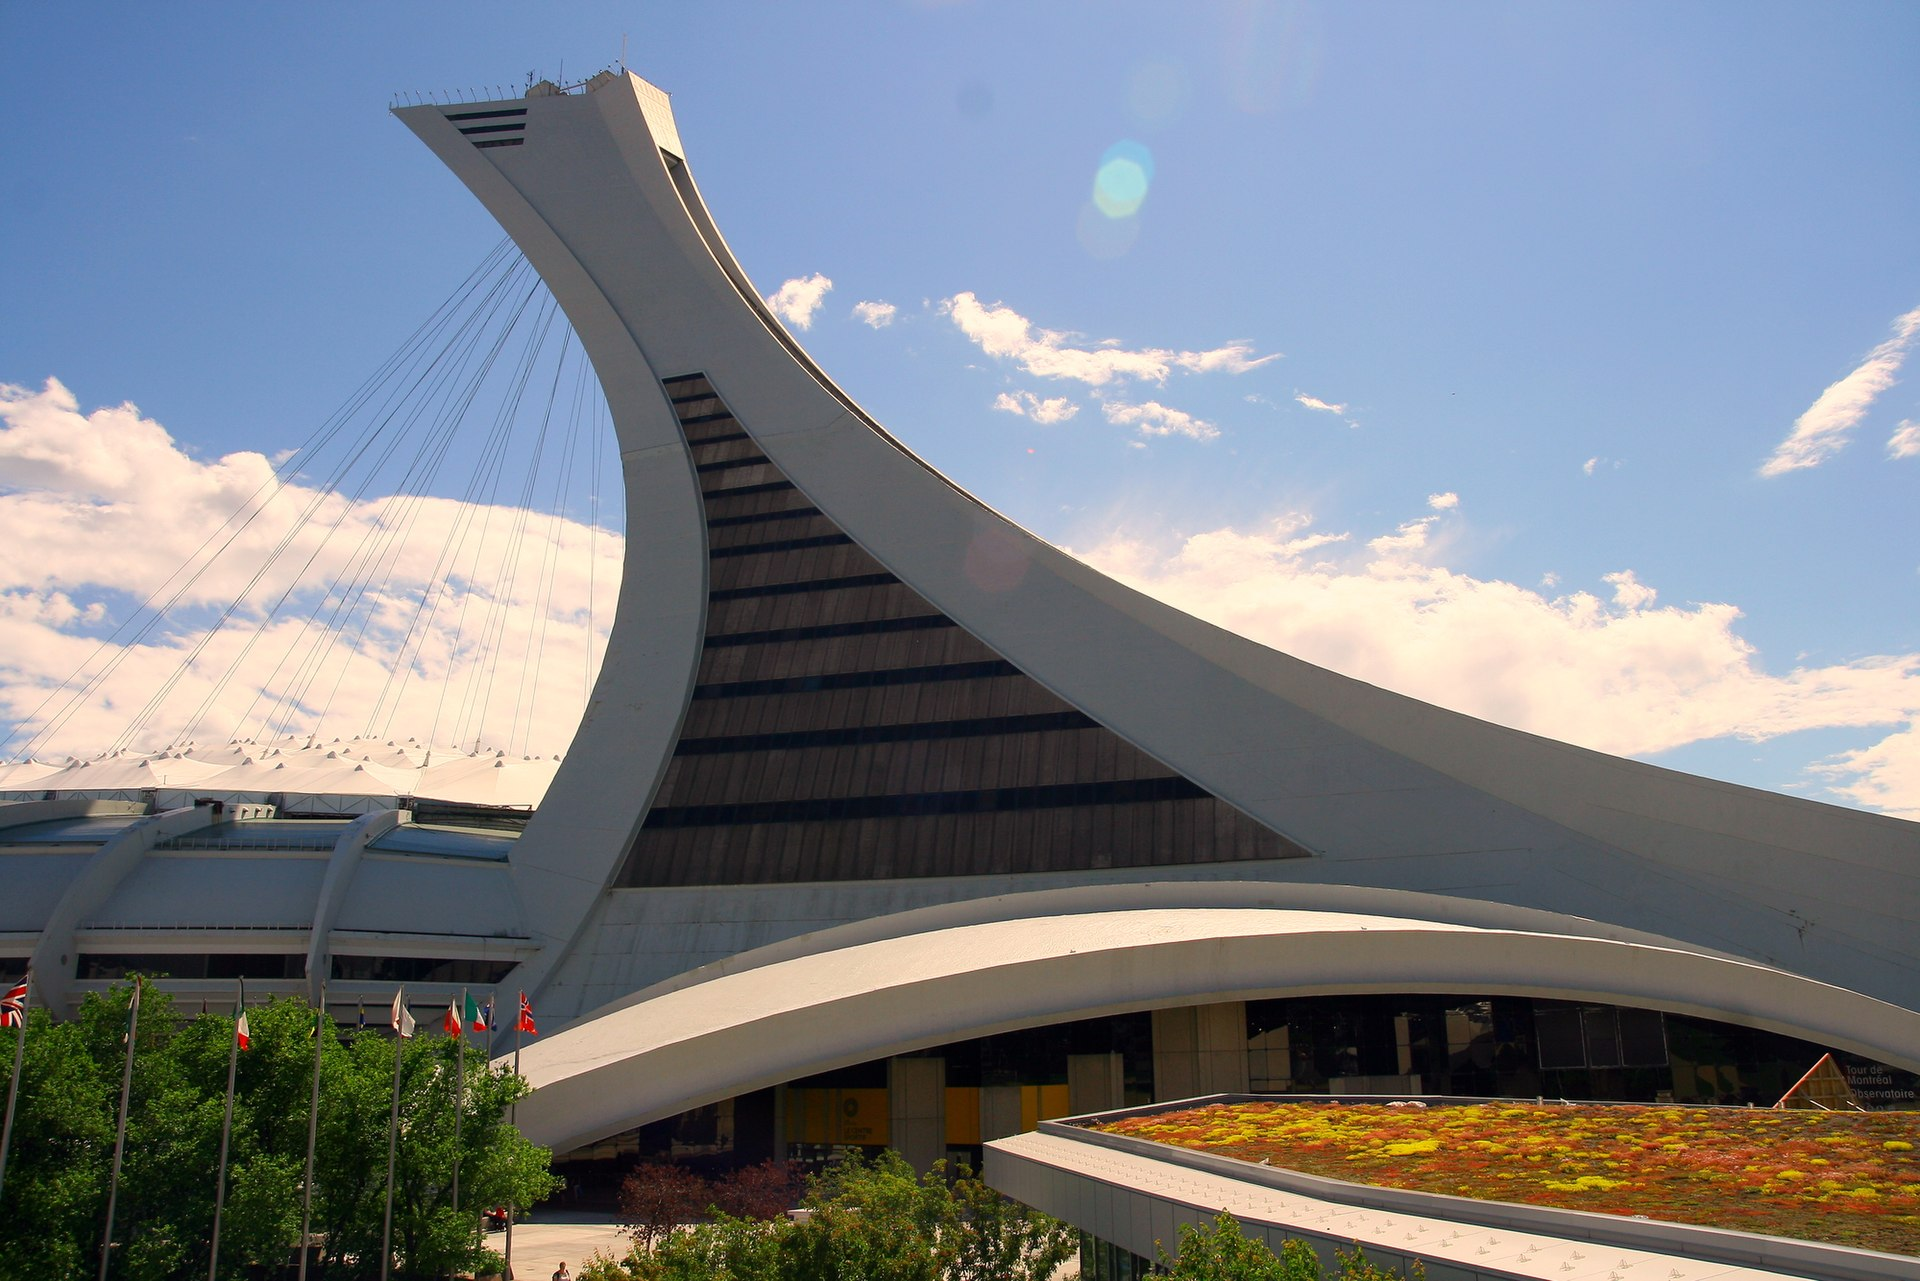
1054, 409
877, 314
1005, 334
1314, 402
1443, 502
1590, 465
1626, 676
1905, 441
1822, 430
796, 300
1884, 776
1151, 418
102, 508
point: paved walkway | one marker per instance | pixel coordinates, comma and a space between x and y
555, 1236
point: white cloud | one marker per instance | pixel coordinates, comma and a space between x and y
1004, 333
1883, 776
1628, 591
1151, 418
1443, 502
1821, 431
1314, 402
877, 314
94, 527
1054, 409
1905, 441
1591, 463
797, 299
1624, 676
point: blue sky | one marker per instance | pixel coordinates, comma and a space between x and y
1583, 269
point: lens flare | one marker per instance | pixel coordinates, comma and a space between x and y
1120, 183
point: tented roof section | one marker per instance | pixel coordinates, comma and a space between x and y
307, 774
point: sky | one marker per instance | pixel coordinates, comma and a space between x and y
1551, 363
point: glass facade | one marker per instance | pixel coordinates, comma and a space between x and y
1462, 1045
842, 728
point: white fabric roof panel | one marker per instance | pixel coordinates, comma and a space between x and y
368, 774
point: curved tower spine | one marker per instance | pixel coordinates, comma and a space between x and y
831, 667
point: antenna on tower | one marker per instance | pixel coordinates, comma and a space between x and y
623, 53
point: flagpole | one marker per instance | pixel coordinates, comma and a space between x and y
459, 1093
226, 1133
313, 1128
13, 1085
120, 1130
393, 1133
513, 1109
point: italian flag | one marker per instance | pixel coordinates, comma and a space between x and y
242, 1033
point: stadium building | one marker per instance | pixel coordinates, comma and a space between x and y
890, 824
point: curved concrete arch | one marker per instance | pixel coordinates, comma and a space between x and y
341, 865
53, 956
748, 1030
1075, 900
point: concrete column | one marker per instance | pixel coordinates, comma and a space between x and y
999, 1112
1095, 1083
917, 1108
1200, 1049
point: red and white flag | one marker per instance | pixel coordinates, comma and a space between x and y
451, 1023
525, 1025
402, 1016
13, 1006
243, 1032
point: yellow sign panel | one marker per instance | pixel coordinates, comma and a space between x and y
838, 1116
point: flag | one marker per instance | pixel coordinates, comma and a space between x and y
363, 1017
477, 1021
452, 1022
526, 1018
243, 1032
402, 1016
13, 1006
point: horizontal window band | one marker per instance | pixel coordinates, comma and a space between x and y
822, 631
722, 417
728, 464
982, 670
701, 442
797, 589
513, 128
741, 490
928, 731
755, 518
993, 800
688, 400
783, 545
680, 378
498, 142
486, 115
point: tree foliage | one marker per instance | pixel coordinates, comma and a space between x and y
58, 1167
865, 1221
1220, 1252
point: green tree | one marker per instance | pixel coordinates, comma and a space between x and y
55, 1195
1220, 1252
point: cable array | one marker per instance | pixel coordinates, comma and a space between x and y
386, 553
